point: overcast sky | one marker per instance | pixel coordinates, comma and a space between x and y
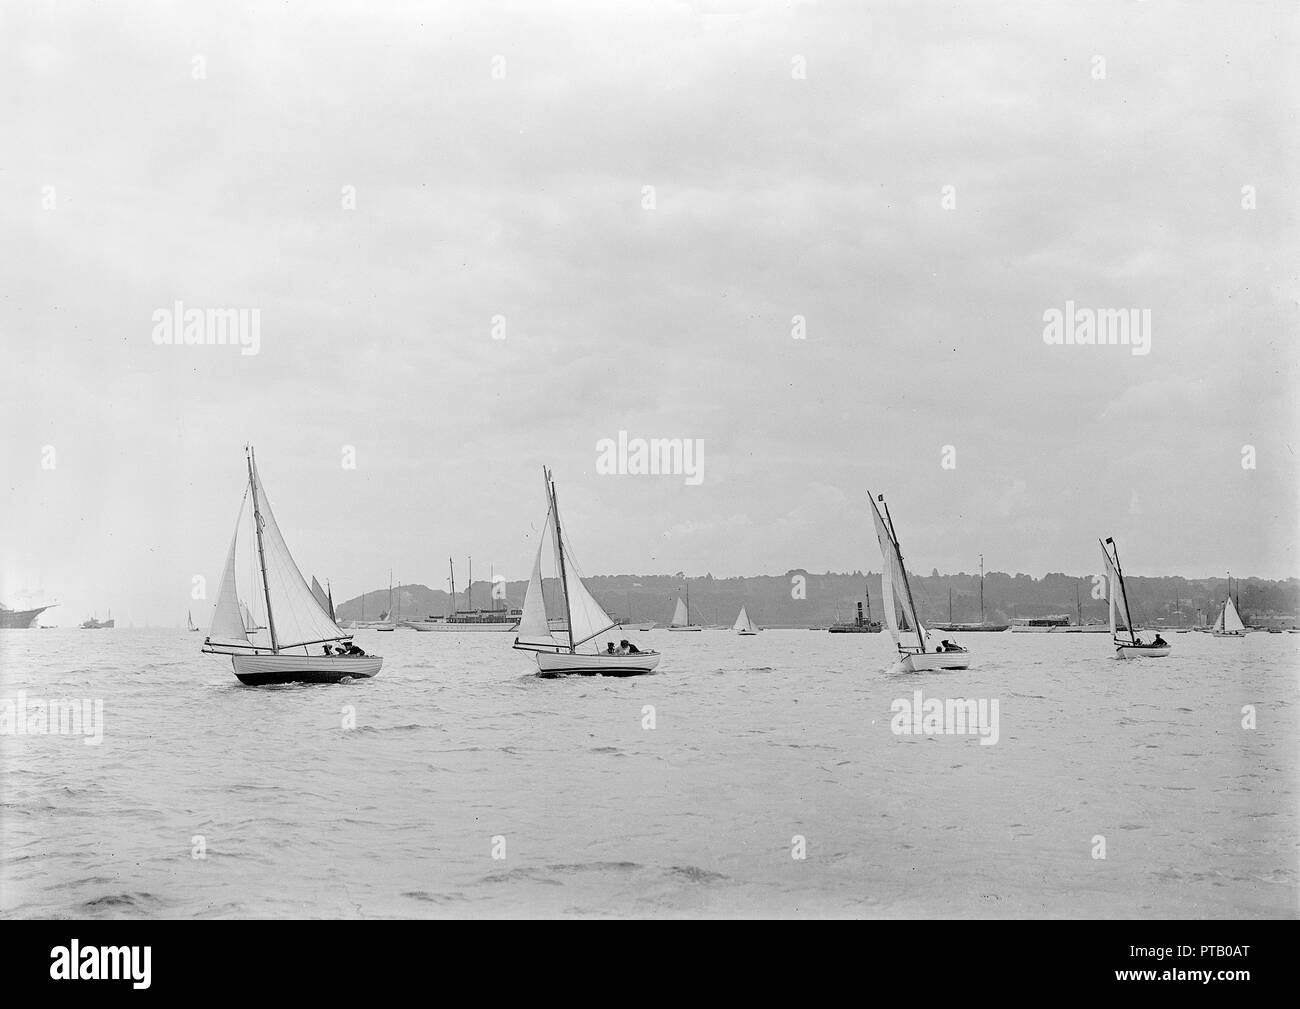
151, 153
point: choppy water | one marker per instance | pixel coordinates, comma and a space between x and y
756, 740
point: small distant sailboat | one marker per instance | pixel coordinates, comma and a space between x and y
556, 649
682, 615
1127, 644
918, 649
296, 622
743, 625
388, 623
1228, 623
189, 620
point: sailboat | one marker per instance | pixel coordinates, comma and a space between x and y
388, 623
919, 650
1228, 623
298, 628
557, 649
1127, 644
189, 621
743, 625
682, 615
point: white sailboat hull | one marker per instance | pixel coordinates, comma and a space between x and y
1141, 651
259, 670
1228, 634
747, 634
686, 628
586, 664
922, 662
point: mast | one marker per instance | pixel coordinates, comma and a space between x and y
688, 602
469, 589
907, 582
949, 604
261, 552
559, 553
1120, 571
981, 588
452, 564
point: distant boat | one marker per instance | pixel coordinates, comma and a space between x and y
189, 621
15, 620
1127, 644
744, 625
299, 629
1041, 625
95, 625
388, 623
1228, 624
470, 619
557, 651
682, 615
919, 650
983, 625
860, 625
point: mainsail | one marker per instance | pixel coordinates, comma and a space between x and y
1229, 619
742, 621
679, 615
900, 609
1121, 621
294, 615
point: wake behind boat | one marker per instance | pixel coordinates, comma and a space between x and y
571, 648
919, 650
1127, 644
300, 642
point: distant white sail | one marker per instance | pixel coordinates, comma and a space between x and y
743, 623
1229, 619
679, 614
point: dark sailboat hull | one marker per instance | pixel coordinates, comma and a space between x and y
269, 670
